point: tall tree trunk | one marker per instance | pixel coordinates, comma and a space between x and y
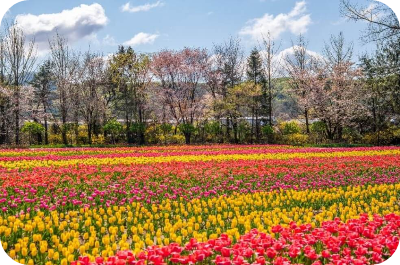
257, 127
142, 139
235, 130
129, 137
340, 132
39, 138
187, 137
329, 131
17, 140
252, 125
270, 106
3, 129
63, 127
228, 129
104, 123
375, 124
89, 131
307, 123
76, 126
46, 132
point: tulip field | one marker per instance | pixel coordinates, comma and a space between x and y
217, 204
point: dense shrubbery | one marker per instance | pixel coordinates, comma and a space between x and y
389, 136
284, 132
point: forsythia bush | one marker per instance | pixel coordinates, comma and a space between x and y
295, 139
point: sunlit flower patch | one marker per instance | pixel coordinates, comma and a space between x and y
200, 204
359, 241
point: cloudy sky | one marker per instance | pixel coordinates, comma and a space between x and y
151, 25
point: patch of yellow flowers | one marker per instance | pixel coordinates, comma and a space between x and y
26, 164
58, 238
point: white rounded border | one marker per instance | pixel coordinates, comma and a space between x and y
5, 5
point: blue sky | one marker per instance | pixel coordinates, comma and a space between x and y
152, 25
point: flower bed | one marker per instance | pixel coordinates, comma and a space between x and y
175, 205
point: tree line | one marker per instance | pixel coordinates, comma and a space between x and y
195, 95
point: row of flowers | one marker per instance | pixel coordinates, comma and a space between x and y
120, 205
359, 241
50, 175
61, 237
65, 197
138, 150
91, 186
230, 155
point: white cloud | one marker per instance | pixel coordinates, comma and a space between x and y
289, 52
141, 38
74, 24
107, 58
280, 59
146, 7
296, 21
109, 40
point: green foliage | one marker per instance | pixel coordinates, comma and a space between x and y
351, 135
267, 130
244, 131
213, 131
138, 130
72, 132
385, 137
269, 133
114, 128
318, 132
138, 127
32, 128
213, 128
318, 127
69, 127
255, 71
166, 128
186, 128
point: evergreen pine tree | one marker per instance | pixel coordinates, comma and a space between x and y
254, 68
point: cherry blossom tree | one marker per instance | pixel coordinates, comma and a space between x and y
43, 85
92, 79
19, 56
65, 63
337, 97
300, 68
179, 74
